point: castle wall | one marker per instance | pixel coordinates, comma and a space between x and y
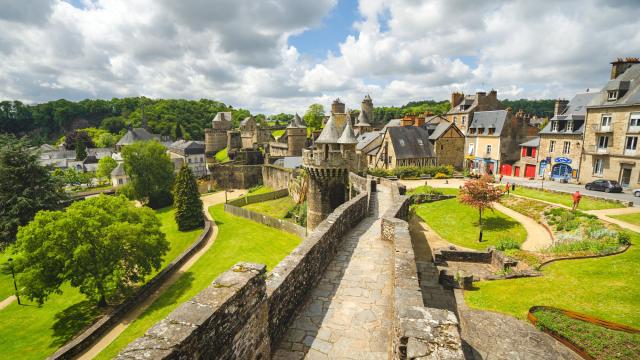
296, 140
236, 176
277, 177
323, 196
214, 141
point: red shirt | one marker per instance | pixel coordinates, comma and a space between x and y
576, 196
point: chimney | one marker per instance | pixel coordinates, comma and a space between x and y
337, 107
407, 120
619, 66
419, 120
560, 106
456, 98
493, 95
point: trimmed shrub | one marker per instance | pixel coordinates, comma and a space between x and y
507, 244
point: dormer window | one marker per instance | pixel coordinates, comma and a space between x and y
420, 142
569, 126
612, 95
472, 130
492, 130
555, 126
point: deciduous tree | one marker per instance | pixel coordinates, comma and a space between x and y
314, 116
187, 201
479, 194
150, 172
105, 167
103, 246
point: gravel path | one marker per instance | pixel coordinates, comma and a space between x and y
538, 238
6, 302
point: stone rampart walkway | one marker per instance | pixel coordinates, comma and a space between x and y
349, 314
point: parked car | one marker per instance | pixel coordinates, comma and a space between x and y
636, 192
604, 185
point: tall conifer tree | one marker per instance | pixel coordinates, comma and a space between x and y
188, 205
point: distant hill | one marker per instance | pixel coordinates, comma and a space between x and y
540, 108
382, 115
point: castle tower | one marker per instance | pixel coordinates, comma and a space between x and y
328, 166
367, 108
338, 107
362, 125
215, 138
296, 136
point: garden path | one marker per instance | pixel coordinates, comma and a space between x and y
349, 313
604, 215
106, 339
6, 302
538, 238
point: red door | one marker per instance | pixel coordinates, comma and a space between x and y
516, 171
529, 171
505, 169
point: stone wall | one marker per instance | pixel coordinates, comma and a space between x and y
419, 332
252, 199
299, 272
277, 177
236, 176
227, 320
93, 333
279, 224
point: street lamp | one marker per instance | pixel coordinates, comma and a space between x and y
13, 275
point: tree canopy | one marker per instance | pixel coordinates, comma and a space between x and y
105, 167
150, 171
314, 116
26, 187
479, 194
102, 245
188, 205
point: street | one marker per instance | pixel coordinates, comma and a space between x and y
570, 188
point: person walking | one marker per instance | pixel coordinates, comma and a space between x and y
576, 199
507, 188
501, 176
513, 186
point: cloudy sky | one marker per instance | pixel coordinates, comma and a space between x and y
281, 55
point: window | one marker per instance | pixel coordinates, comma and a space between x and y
613, 95
472, 130
529, 151
464, 119
634, 120
605, 121
566, 147
491, 131
488, 149
555, 125
455, 120
441, 147
420, 142
552, 145
598, 165
603, 142
120, 181
630, 144
569, 126
470, 149
189, 160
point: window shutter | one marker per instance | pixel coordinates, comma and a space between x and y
533, 152
524, 151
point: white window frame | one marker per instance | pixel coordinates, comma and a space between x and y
489, 148
464, 119
455, 120
605, 120
612, 95
603, 142
552, 146
634, 120
598, 166
566, 147
569, 125
630, 145
555, 125
471, 148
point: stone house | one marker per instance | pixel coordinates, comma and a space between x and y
405, 146
561, 139
464, 106
118, 176
215, 138
252, 133
192, 153
612, 128
493, 141
448, 141
529, 154
368, 146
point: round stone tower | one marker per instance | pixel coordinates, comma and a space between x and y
367, 108
296, 136
338, 107
328, 166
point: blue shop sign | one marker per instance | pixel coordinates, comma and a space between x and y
562, 160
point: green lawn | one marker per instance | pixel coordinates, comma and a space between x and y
32, 332
458, 224
586, 203
426, 189
238, 240
277, 208
222, 156
277, 133
630, 218
260, 189
605, 287
6, 282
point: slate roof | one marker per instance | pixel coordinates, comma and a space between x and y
576, 110
630, 79
90, 159
439, 130
297, 122
348, 136
289, 162
119, 170
489, 119
535, 142
187, 147
330, 133
366, 139
411, 142
223, 116
362, 119
135, 134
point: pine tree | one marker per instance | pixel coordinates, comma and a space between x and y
188, 205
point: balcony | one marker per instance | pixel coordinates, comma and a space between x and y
633, 129
601, 129
630, 152
602, 151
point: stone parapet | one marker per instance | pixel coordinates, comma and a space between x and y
227, 320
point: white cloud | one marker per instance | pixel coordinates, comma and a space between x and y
236, 51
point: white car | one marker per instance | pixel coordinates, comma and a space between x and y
636, 192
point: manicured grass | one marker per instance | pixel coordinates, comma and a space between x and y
260, 189
586, 203
238, 240
426, 189
32, 332
277, 133
598, 341
222, 156
277, 208
458, 224
630, 218
6, 282
605, 287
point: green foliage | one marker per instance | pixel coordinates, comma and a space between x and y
188, 205
237, 115
314, 116
26, 187
382, 115
77, 138
222, 156
105, 167
282, 118
150, 172
441, 176
540, 108
405, 172
103, 246
81, 151
427, 190
507, 244
298, 213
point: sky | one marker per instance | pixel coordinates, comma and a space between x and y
272, 56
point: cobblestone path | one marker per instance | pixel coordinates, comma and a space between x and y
349, 314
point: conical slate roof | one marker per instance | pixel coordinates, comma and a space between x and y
362, 119
330, 134
297, 122
348, 137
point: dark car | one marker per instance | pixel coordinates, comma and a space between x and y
604, 185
